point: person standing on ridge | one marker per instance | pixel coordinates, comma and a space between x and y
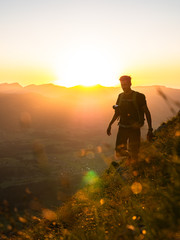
130, 109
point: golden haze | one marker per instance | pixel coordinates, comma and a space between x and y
141, 76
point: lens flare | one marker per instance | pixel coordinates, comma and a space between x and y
90, 177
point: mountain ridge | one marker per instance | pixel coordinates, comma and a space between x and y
82, 86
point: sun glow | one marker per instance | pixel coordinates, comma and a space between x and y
87, 66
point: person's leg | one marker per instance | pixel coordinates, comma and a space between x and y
134, 142
121, 142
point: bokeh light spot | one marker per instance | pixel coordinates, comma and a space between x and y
131, 227
83, 152
135, 173
49, 214
23, 220
136, 187
177, 134
102, 201
9, 227
99, 149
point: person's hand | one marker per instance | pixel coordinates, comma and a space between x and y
150, 135
109, 130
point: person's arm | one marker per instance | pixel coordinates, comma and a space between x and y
148, 116
111, 122
115, 116
149, 121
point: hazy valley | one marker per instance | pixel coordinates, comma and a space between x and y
50, 136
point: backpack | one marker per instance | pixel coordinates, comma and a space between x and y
137, 107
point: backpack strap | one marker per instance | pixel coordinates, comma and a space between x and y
140, 115
120, 98
135, 103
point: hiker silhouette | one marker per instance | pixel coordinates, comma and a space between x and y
130, 109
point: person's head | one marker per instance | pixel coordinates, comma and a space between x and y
125, 83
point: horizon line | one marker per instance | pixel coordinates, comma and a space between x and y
83, 86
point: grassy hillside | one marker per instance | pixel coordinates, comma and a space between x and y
129, 200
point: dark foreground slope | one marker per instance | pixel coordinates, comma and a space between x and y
129, 201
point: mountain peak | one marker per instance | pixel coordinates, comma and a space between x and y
10, 87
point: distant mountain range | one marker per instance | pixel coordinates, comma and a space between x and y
50, 105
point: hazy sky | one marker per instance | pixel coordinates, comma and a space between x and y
74, 42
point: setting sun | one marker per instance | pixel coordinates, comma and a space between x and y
70, 43
87, 66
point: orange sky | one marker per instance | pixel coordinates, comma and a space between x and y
90, 42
